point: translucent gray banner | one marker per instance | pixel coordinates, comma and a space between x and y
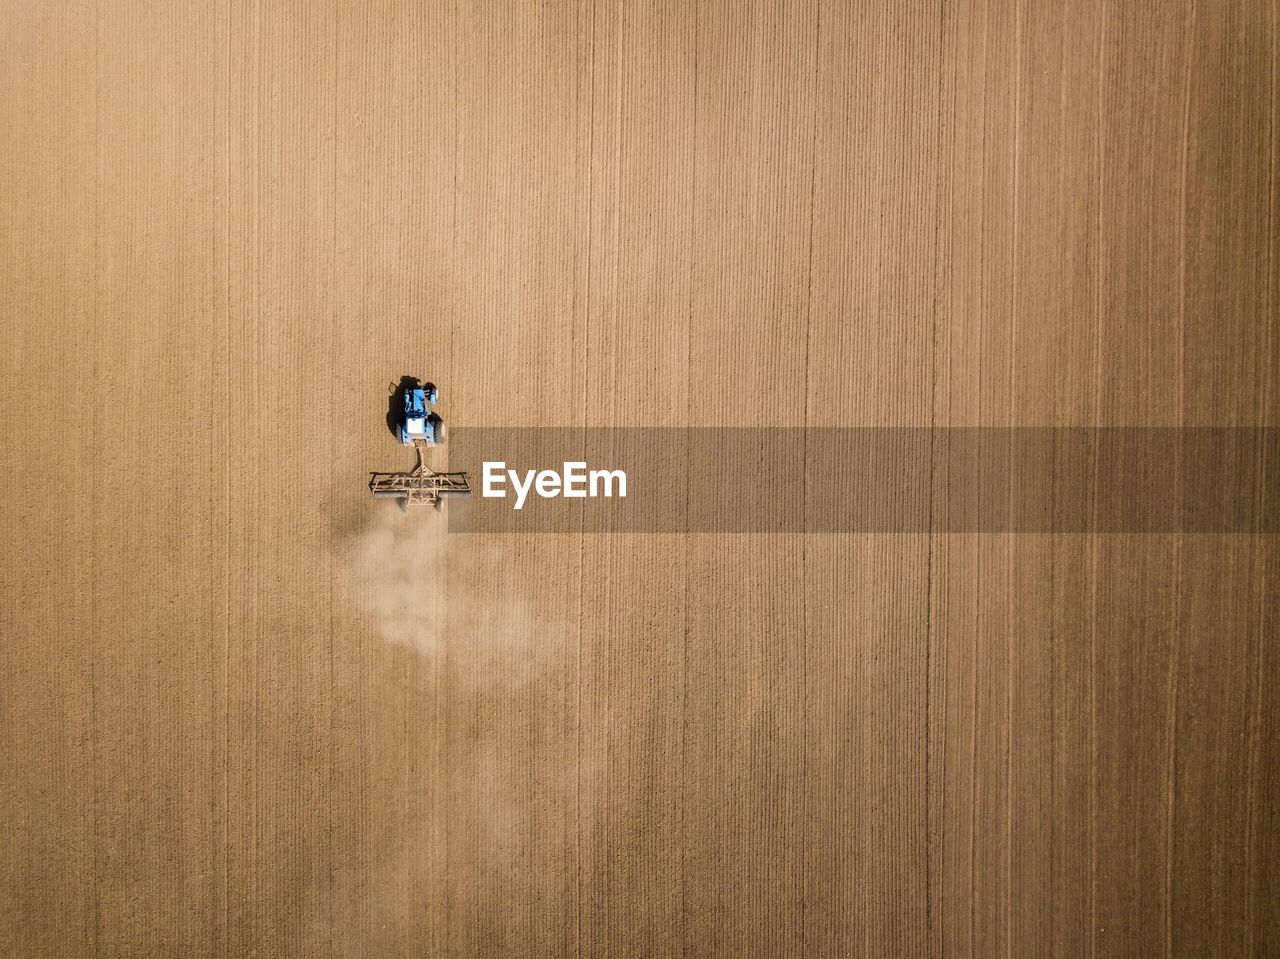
868, 480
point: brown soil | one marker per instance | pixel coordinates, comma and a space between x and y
246, 711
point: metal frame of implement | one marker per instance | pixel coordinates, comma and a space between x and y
421, 486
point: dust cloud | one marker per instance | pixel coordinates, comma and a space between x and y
419, 593
483, 657
458, 604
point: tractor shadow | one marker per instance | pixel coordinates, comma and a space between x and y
395, 403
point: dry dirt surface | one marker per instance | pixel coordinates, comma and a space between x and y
245, 711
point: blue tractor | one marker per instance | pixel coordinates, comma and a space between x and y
421, 423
